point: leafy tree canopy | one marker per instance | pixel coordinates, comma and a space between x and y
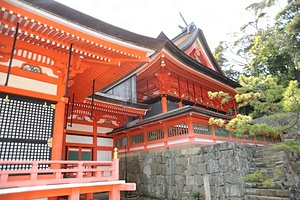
268, 100
267, 45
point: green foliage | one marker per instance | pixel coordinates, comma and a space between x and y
277, 172
290, 146
269, 44
225, 97
198, 196
268, 182
267, 99
254, 177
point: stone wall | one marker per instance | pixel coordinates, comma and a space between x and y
214, 170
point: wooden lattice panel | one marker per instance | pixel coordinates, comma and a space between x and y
26, 125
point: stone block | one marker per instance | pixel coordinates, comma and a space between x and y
199, 180
190, 180
201, 169
233, 177
213, 166
179, 169
234, 190
191, 169
143, 178
192, 151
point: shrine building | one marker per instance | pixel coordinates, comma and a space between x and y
72, 88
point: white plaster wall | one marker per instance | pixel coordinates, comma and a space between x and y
29, 84
106, 142
103, 129
79, 139
81, 127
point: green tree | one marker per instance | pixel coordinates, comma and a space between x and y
269, 44
229, 67
269, 100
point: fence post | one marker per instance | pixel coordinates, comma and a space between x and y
34, 171
115, 172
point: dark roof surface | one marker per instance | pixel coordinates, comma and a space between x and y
173, 113
189, 41
192, 63
120, 101
84, 20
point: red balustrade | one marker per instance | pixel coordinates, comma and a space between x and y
58, 172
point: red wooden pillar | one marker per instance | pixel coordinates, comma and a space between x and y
58, 134
89, 196
213, 132
191, 129
52, 198
164, 104
95, 145
180, 104
75, 195
115, 193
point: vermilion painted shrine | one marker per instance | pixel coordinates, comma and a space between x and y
72, 88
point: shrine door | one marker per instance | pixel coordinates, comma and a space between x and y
26, 127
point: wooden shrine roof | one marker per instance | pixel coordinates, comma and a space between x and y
188, 37
109, 104
100, 51
174, 113
94, 24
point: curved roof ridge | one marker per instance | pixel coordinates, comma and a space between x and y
62, 11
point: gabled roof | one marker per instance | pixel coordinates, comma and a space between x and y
189, 36
177, 51
192, 63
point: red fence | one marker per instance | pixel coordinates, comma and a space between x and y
58, 172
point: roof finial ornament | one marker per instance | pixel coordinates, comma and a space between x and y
188, 27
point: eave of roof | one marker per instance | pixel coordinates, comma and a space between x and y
189, 41
187, 60
173, 113
176, 52
91, 23
120, 101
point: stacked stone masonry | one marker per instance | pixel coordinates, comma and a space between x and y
213, 171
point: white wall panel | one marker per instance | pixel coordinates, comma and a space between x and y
29, 84
178, 141
103, 129
80, 127
79, 139
106, 142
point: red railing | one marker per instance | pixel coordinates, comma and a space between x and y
59, 172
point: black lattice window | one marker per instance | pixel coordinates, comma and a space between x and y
221, 132
177, 129
121, 142
136, 139
25, 127
259, 137
155, 135
201, 128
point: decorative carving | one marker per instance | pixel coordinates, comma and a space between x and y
80, 118
31, 68
163, 82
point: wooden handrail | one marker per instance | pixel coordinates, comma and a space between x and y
59, 171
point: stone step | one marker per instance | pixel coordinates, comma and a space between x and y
269, 151
255, 197
268, 192
276, 185
266, 165
267, 170
274, 155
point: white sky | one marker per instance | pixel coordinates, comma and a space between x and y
216, 18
